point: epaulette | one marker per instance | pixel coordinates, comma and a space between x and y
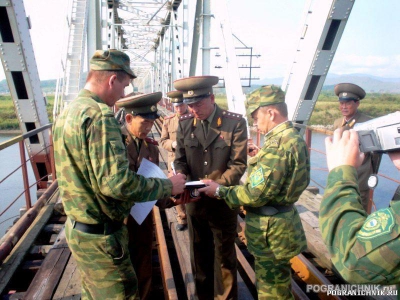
231, 115
151, 141
169, 117
186, 117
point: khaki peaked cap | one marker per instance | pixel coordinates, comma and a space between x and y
176, 97
111, 60
264, 96
144, 105
195, 88
349, 91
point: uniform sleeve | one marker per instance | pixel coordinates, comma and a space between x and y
276, 178
165, 140
180, 162
111, 169
359, 254
238, 156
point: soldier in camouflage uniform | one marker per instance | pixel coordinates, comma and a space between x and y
168, 142
96, 186
216, 150
364, 249
277, 175
139, 113
349, 96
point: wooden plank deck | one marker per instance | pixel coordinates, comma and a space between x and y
308, 208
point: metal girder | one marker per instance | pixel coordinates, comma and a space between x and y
324, 23
19, 64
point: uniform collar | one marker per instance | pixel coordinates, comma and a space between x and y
87, 93
278, 128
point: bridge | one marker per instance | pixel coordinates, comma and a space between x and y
166, 40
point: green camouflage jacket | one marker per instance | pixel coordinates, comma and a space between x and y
277, 175
93, 173
364, 249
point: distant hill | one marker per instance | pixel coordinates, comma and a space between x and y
370, 83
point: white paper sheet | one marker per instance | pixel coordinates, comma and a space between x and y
140, 210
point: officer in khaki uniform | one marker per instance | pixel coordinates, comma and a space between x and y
211, 143
139, 113
277, 175
168, 142
350, 96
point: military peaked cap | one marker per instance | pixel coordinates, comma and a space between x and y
349, 91
263, 96
176, 97
195, 88
111, 60
144, 105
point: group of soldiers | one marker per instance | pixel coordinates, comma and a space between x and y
96, 169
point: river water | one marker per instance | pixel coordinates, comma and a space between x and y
13, 186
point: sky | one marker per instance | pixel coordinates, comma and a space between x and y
369, 45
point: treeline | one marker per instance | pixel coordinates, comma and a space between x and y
325, 112
8, 119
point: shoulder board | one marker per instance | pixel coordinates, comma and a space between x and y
231, 115
151, 141
186, 117
169, 117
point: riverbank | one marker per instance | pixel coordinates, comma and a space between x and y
10, 131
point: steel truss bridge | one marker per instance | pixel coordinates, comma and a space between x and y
165, 40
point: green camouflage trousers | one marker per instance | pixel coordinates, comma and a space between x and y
104, 264
273, 278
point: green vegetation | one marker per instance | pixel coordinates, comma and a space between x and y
8, 119
325, 112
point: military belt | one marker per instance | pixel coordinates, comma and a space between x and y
105, 228
269, 210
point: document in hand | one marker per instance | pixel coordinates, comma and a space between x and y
141, 209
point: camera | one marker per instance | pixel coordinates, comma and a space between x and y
381, 134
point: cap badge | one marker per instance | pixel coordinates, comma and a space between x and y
219, 122
190, 93
344, 94
153, 108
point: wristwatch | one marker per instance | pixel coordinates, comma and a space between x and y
216, 194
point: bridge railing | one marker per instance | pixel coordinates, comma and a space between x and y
23, 166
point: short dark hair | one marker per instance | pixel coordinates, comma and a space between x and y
280, 107
100, 75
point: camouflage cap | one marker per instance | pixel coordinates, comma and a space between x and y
349, 91
144, 105
176, 97
111, 60
263, 96
195, 88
